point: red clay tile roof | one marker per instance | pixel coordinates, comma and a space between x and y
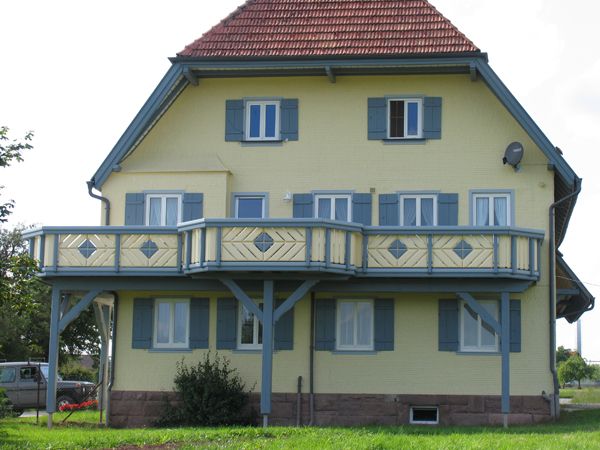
300, 28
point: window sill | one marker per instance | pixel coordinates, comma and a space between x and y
171, 350
482, 353
354, 352
274, 143
247, 351
419, 141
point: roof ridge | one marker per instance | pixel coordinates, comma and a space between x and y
454, 27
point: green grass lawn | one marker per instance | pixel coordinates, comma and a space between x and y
584, 395
578, 429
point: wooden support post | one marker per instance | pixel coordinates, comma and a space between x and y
53, 355
267, 351
505, 343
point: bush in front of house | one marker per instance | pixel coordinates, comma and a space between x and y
5, 406
211, 393
77, 372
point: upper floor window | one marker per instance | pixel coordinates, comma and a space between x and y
405, 118
171, 323
333, 206
250, 330
262, 120
476, 335
250, 206
355, 325
163, 209
492, 209
418, 210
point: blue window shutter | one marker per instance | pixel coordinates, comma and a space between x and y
234, 120
432, 115
289, 119
303, 206
199, 322
377, 122
389, 209
284, 329
143, 321
192, 206
134, 209
515, 325
227, 313
325, 324
361, 208
448, 209
384, 324
448, 326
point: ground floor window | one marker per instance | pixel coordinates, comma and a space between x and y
249, 329
476, 335
355, 325
171, 323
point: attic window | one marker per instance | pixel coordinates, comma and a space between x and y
404, 117
424, 415
262, 121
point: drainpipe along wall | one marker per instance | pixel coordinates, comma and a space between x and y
552, 300
90, 185
112, 355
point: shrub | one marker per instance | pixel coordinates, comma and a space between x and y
210, 394
5, 406
76, 372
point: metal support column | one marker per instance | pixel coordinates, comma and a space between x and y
505, 343
267, 352
53, 355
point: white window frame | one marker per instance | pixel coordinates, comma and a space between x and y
406, 100
478, 347
250, 197
424, 422
262, 121
255, 330
163, 207
338, 318
171, 344
491, 205
418, 198
333, 197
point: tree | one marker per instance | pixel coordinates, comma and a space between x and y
562, 354
11, 150
575, 369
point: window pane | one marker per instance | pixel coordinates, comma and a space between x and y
347, 323
172, 207
250, 208
7, 374
470, 327
254, 121
397, 119
482, 212
364, 324
247, 330
155, 207
270, 120
427, 212
500, 211
341, 209
410, 212
181, 321
324, 208
163, 321
412, 121
488, 337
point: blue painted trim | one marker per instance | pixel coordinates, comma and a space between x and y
513, 254
117, 252
202, 247
42, 251
218, 243
347, 253
368, 286
327, 247
55, 252
531, 256
169, 350
483, 313
31, 242
429, 253
308, 245
238, 293
354, 352
100, 230
509, 192
297, 295
539, 257
462, 353
258, 143
365, 253
404, 141
188, 249
505, 347
77, 309
456, 230
241, 351
53, 351
267, 350
495, 254
236, 195
179, 251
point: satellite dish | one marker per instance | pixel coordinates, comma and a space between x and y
513, 154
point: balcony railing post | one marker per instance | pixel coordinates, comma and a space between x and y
55, 252
495, 253
308, 245
117, 252
365, 252
188, 249
327, 247
42, 251
218, 250
539, 257
429, 253
179, 251
202, 241
513, 254
31, 247
347, 253
531, 256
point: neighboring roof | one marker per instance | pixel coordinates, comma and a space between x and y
301, 28
573, 297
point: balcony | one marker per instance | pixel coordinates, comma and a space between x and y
288, 245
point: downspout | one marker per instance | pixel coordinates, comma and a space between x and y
90, 185
311, 398
555, 412
112, 356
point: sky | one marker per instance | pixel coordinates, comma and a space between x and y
76, 73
